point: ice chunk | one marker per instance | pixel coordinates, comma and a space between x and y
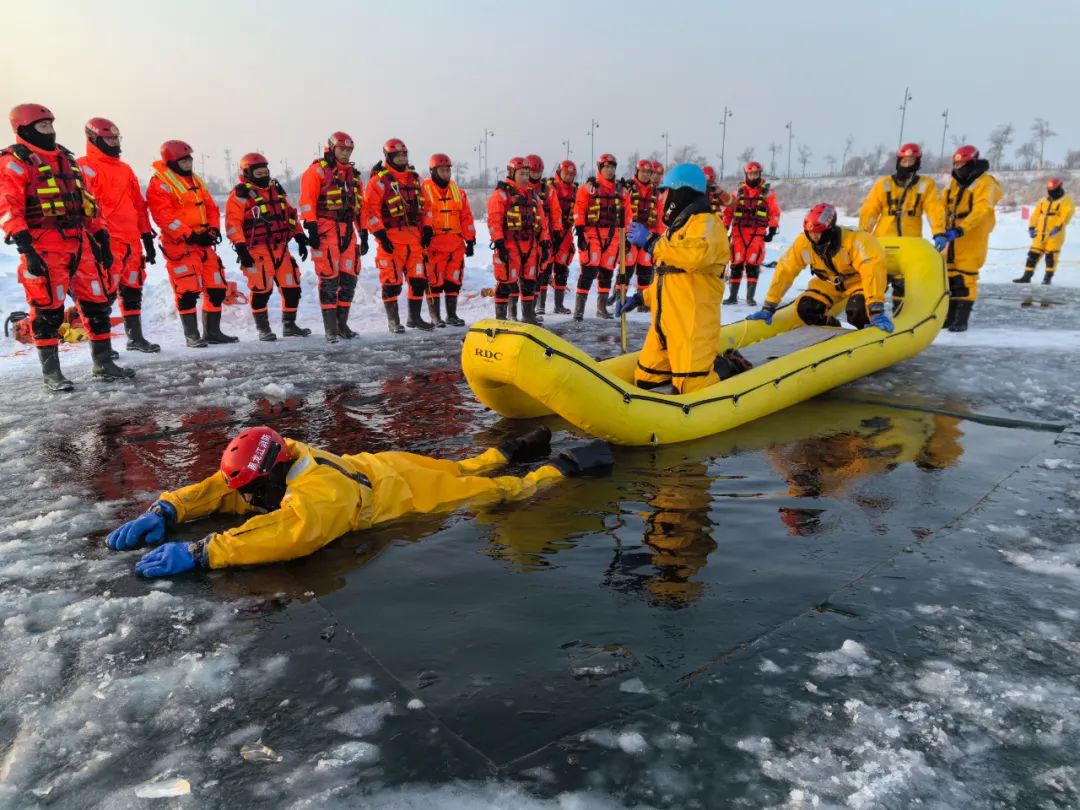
363, 720
163, 789
258, 752
634, 686
851, 661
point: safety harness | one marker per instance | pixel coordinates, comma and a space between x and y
401, 202
55, 198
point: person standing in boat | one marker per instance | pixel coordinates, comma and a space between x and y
848, 264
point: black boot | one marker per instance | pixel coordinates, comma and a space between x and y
601, 307
542, 305
136, 341
528, 446
513, 307
190, 322
1025, 278
579, 306
1048, 278
500, 311
212, 329
960, 319
451, 311
416, 319
50, 369
560, 298
951, 315
733, 296
393, 320
593, 457
434, 313
329, 322
528, 312
104, 367
289, 327
262, 324
343, 323
751, 288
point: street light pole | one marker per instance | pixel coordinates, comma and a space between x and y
723, 139
903, 115
202, 168
667, 143
790, 135
944, 129
566, 143
593, 124
487, 163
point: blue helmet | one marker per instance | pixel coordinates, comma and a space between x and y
685, 175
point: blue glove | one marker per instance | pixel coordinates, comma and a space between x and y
147, 528
1032, 232
1053, 231
629, 305
169, 559
638, 235
763, 314
940, 241
953, 233
882, 322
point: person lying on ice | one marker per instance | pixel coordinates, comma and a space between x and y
847, 264
303, 497
689, 258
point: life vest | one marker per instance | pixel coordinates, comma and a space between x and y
268, 217
56, 199
643, 205
751, 210
897, 200
605, 208
191, 193
341, 194
716, 199
565, 195
400, 201
522, 212
445, 205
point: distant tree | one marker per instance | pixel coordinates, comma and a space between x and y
999, 138
1072, 159
1040, 131
461, 168
849, 142
688, 154
855, 166
745, 156
959, 140
804, 157
830, 161
631, 162
1028, 154
876, 161
774, 150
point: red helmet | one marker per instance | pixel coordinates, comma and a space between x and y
643, 166
251, 160
514, 164
252, 455
172, 151
23, 115
101, 128
753, 166
393, 146
658, 167
965, 153
710, 175
568, 166
909, 150
1052, 183
821, 218
439, 159
605, 159
535, 163
341, 139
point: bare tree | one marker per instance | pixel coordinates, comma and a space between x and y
746, 155
774, 150
461, 167
959, 140
849, 142
1040, 131
855, 166
804, 157
631, 162
999, 138
1028, 154
830, 161
688, 154
875, 160
1072, 159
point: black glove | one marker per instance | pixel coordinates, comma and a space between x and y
202, 239
301, 246
24, 243
426, 236
545, 251
104, 248
581, 243
383, 238
556, 238
470, 244
313, 238
244, 255
214, 235
148, 248
363, 243
500, 250
770, 234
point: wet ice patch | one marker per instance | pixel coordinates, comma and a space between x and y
850, 661
629, 742
362, 720
1063, 563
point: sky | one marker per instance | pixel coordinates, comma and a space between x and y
280, 76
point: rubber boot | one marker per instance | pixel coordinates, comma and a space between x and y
434, 313
289, 327
601, 308
1025, 278
343, 323
528, 312
579, 306
416, 320
212, 329
104, 367
451, 311
560, 298
329, 322
960, 319
393, 320
50, 369
513, 307
529, 446
733, 296
190, 322
950, 317
1048, 278
751, 288
136, 341
500, 311
542, 304
262, 324
591, 458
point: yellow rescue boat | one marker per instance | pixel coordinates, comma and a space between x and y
524, 372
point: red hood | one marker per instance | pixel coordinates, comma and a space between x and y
96, 155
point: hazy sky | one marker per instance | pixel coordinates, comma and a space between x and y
279, 76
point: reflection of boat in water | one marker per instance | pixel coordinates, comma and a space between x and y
524, 371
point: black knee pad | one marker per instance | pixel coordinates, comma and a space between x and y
216, 296
604, 277
328, 290
290, 297
1051, 260
46, 323
187, 301
958, 288
856, 312
346, 288
585, 278
811, 311
644, 276
561, 273
417, 287
131, 298
1033, 260
96, 317
450, 288
737, 272
752, 272
527, 286
503, 290
391, 291
544, 278
259, 300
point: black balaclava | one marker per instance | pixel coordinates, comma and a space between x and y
438, 180
966, 172
267, 491
175, 166
829, 243
1056, 193
261, 182
753, 183
680, 199
903, 174
38, 139
111, 151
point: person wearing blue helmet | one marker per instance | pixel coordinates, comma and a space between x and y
690, 257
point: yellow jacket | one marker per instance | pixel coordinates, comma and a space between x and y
891, 209
1050, 214
859, 259
700, 246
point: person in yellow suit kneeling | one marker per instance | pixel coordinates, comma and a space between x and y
690, 258
303, 497
1047, 231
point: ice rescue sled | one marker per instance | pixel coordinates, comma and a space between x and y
523, 371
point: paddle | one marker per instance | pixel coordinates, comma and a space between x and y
622, 287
